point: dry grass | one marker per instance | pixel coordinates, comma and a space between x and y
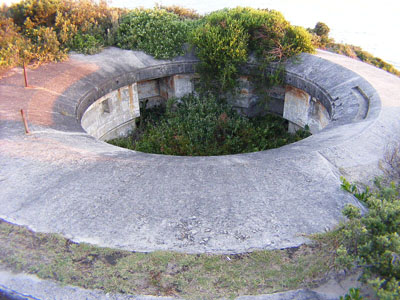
201, 276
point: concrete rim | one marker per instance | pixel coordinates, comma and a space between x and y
39, 172
67, 182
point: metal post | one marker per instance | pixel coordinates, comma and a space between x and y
25, 122
25, 76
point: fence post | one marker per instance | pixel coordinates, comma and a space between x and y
25, 122
25, 76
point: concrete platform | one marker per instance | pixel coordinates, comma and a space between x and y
60, 179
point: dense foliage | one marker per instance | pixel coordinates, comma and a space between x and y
204, 126
45, 30
225, 39
155, 31
373, 240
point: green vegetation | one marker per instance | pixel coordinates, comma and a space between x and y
192, 276
354, 294
225, 39
45, 30
155, 31
322, 40
206, 126
372, 240
38, 31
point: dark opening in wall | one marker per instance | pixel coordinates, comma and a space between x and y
106, 106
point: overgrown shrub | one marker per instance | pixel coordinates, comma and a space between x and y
87, 43
373, 240
155, 31
321, 35
15, 49
45, 30
46, 45
205, 126
225, 39
220, 48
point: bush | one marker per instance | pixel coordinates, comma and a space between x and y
225, 38
86, 43
373, 240
46, 45
14, 48
297, 40
220, 48
155, 31
204, 126
45, 30
321, 29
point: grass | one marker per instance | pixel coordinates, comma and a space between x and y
162, 273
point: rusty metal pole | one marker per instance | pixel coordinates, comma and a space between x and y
25, 122
25, 76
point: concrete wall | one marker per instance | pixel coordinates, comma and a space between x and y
114, 114
300, 109
293, 104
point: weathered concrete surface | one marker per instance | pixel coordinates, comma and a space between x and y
28, 287
357, 157
114, 114
60, 179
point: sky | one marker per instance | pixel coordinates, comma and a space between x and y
373, 25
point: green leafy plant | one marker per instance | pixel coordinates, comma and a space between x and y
225, 39
45, 30
87, 44
353, 189
155, 31
182, 12
206, 126
15, 49
373, 239
353, 294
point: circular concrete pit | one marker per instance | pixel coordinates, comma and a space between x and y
61, 179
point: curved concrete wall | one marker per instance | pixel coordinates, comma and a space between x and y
306, 99
64, 180
114, 114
